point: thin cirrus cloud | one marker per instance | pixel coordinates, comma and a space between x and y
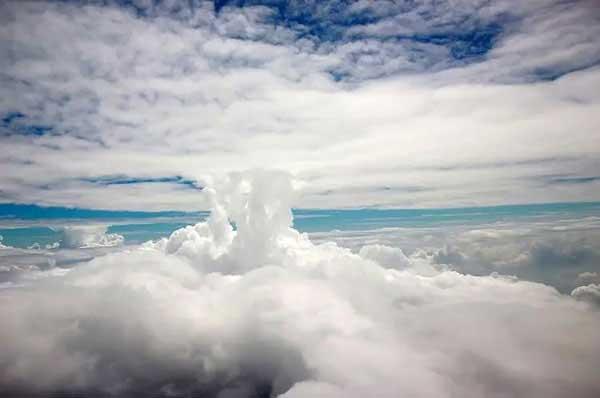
349, 98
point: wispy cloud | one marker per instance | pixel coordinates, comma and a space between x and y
573, 180
348, 97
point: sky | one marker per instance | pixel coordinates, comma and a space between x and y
151, 153
139, 105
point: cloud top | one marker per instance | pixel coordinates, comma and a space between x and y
87, 236
259, 310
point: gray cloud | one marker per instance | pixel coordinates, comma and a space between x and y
589, 293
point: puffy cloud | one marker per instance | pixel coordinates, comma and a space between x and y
590, 293
385, 255
588, 276
21, 266
561, 251
88, 236
260, 310
2, 246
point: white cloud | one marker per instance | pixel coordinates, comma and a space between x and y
2, 246
278, 314
385, 255
196, 94
88, 236
558, 250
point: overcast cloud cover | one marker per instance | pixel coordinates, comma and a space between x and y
172, 105
133, 104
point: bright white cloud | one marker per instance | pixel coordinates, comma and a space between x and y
262, 311
88, 236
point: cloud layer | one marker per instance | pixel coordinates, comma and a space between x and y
262, 311
373, 104
560, 250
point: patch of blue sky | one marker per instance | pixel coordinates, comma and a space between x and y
35, 212
573, 180
331, 21
368, 219
155, 225
126, 180
465, 45
28, 236
17, 123
9, 117
320, 21
556, 72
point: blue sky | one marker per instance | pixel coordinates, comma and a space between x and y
137, 105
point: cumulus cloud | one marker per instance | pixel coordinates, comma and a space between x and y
385, 255
2, 246
590, 293
260, 310
561, 250
589, 276
87, 236
20, 266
